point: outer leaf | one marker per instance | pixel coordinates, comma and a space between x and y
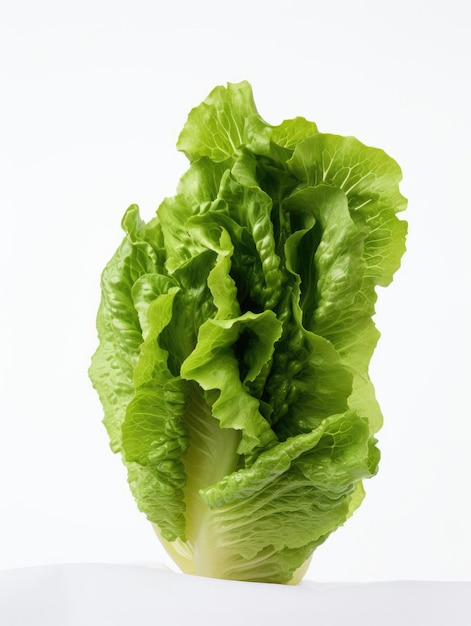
369, 178
217, 127
321, 469
118, 326
154, 438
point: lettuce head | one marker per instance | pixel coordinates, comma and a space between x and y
235, 335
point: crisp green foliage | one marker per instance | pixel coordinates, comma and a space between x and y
235, 337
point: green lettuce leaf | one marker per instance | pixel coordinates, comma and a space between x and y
235, 335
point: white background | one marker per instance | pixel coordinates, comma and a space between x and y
93, 95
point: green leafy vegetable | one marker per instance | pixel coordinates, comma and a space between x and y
235, 337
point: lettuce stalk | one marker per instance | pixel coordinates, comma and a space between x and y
235, 335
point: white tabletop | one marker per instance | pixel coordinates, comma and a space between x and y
100, 594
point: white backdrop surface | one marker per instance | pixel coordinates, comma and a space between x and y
93, 96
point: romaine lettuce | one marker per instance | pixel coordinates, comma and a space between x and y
235, 335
